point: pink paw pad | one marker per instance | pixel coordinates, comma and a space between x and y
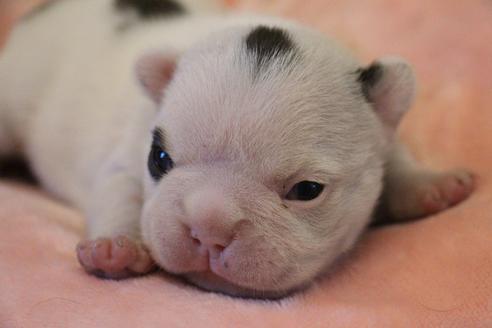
115, 258
447, 190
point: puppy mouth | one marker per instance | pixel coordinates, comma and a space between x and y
230, 272
213, 279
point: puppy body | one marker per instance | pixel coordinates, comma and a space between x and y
247, 107
43, 63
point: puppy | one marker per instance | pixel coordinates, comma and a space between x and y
245, 154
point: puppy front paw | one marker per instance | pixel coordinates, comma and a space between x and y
445, 190
115, 258
426, 193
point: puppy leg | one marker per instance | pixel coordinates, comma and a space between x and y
114, 248
411, 191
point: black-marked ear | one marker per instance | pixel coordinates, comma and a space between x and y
389, 84
154, 71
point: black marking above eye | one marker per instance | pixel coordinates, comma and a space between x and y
159, 161
266, 44
305, 191
151, 8
158, 137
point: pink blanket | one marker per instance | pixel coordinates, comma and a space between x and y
435, 272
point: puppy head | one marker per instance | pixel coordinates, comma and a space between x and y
267, 156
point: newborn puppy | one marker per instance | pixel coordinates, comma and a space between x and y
243, 153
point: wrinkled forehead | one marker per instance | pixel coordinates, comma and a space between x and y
260, 91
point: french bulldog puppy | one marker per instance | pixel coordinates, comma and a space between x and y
245, 154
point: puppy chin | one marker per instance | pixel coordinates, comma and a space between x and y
209, 281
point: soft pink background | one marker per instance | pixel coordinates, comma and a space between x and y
431, 273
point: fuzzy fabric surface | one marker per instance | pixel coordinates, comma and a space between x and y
435, 272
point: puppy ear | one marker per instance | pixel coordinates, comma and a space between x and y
389, 84
154, 71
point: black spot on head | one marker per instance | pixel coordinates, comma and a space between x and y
151, 8
368, 77
267, 44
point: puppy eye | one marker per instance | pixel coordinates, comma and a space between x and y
305, 191
159, 162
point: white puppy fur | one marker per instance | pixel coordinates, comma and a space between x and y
83, 86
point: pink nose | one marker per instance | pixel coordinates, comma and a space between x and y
210, 241
210, 222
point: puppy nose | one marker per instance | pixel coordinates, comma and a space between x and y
211, 241
210, 221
